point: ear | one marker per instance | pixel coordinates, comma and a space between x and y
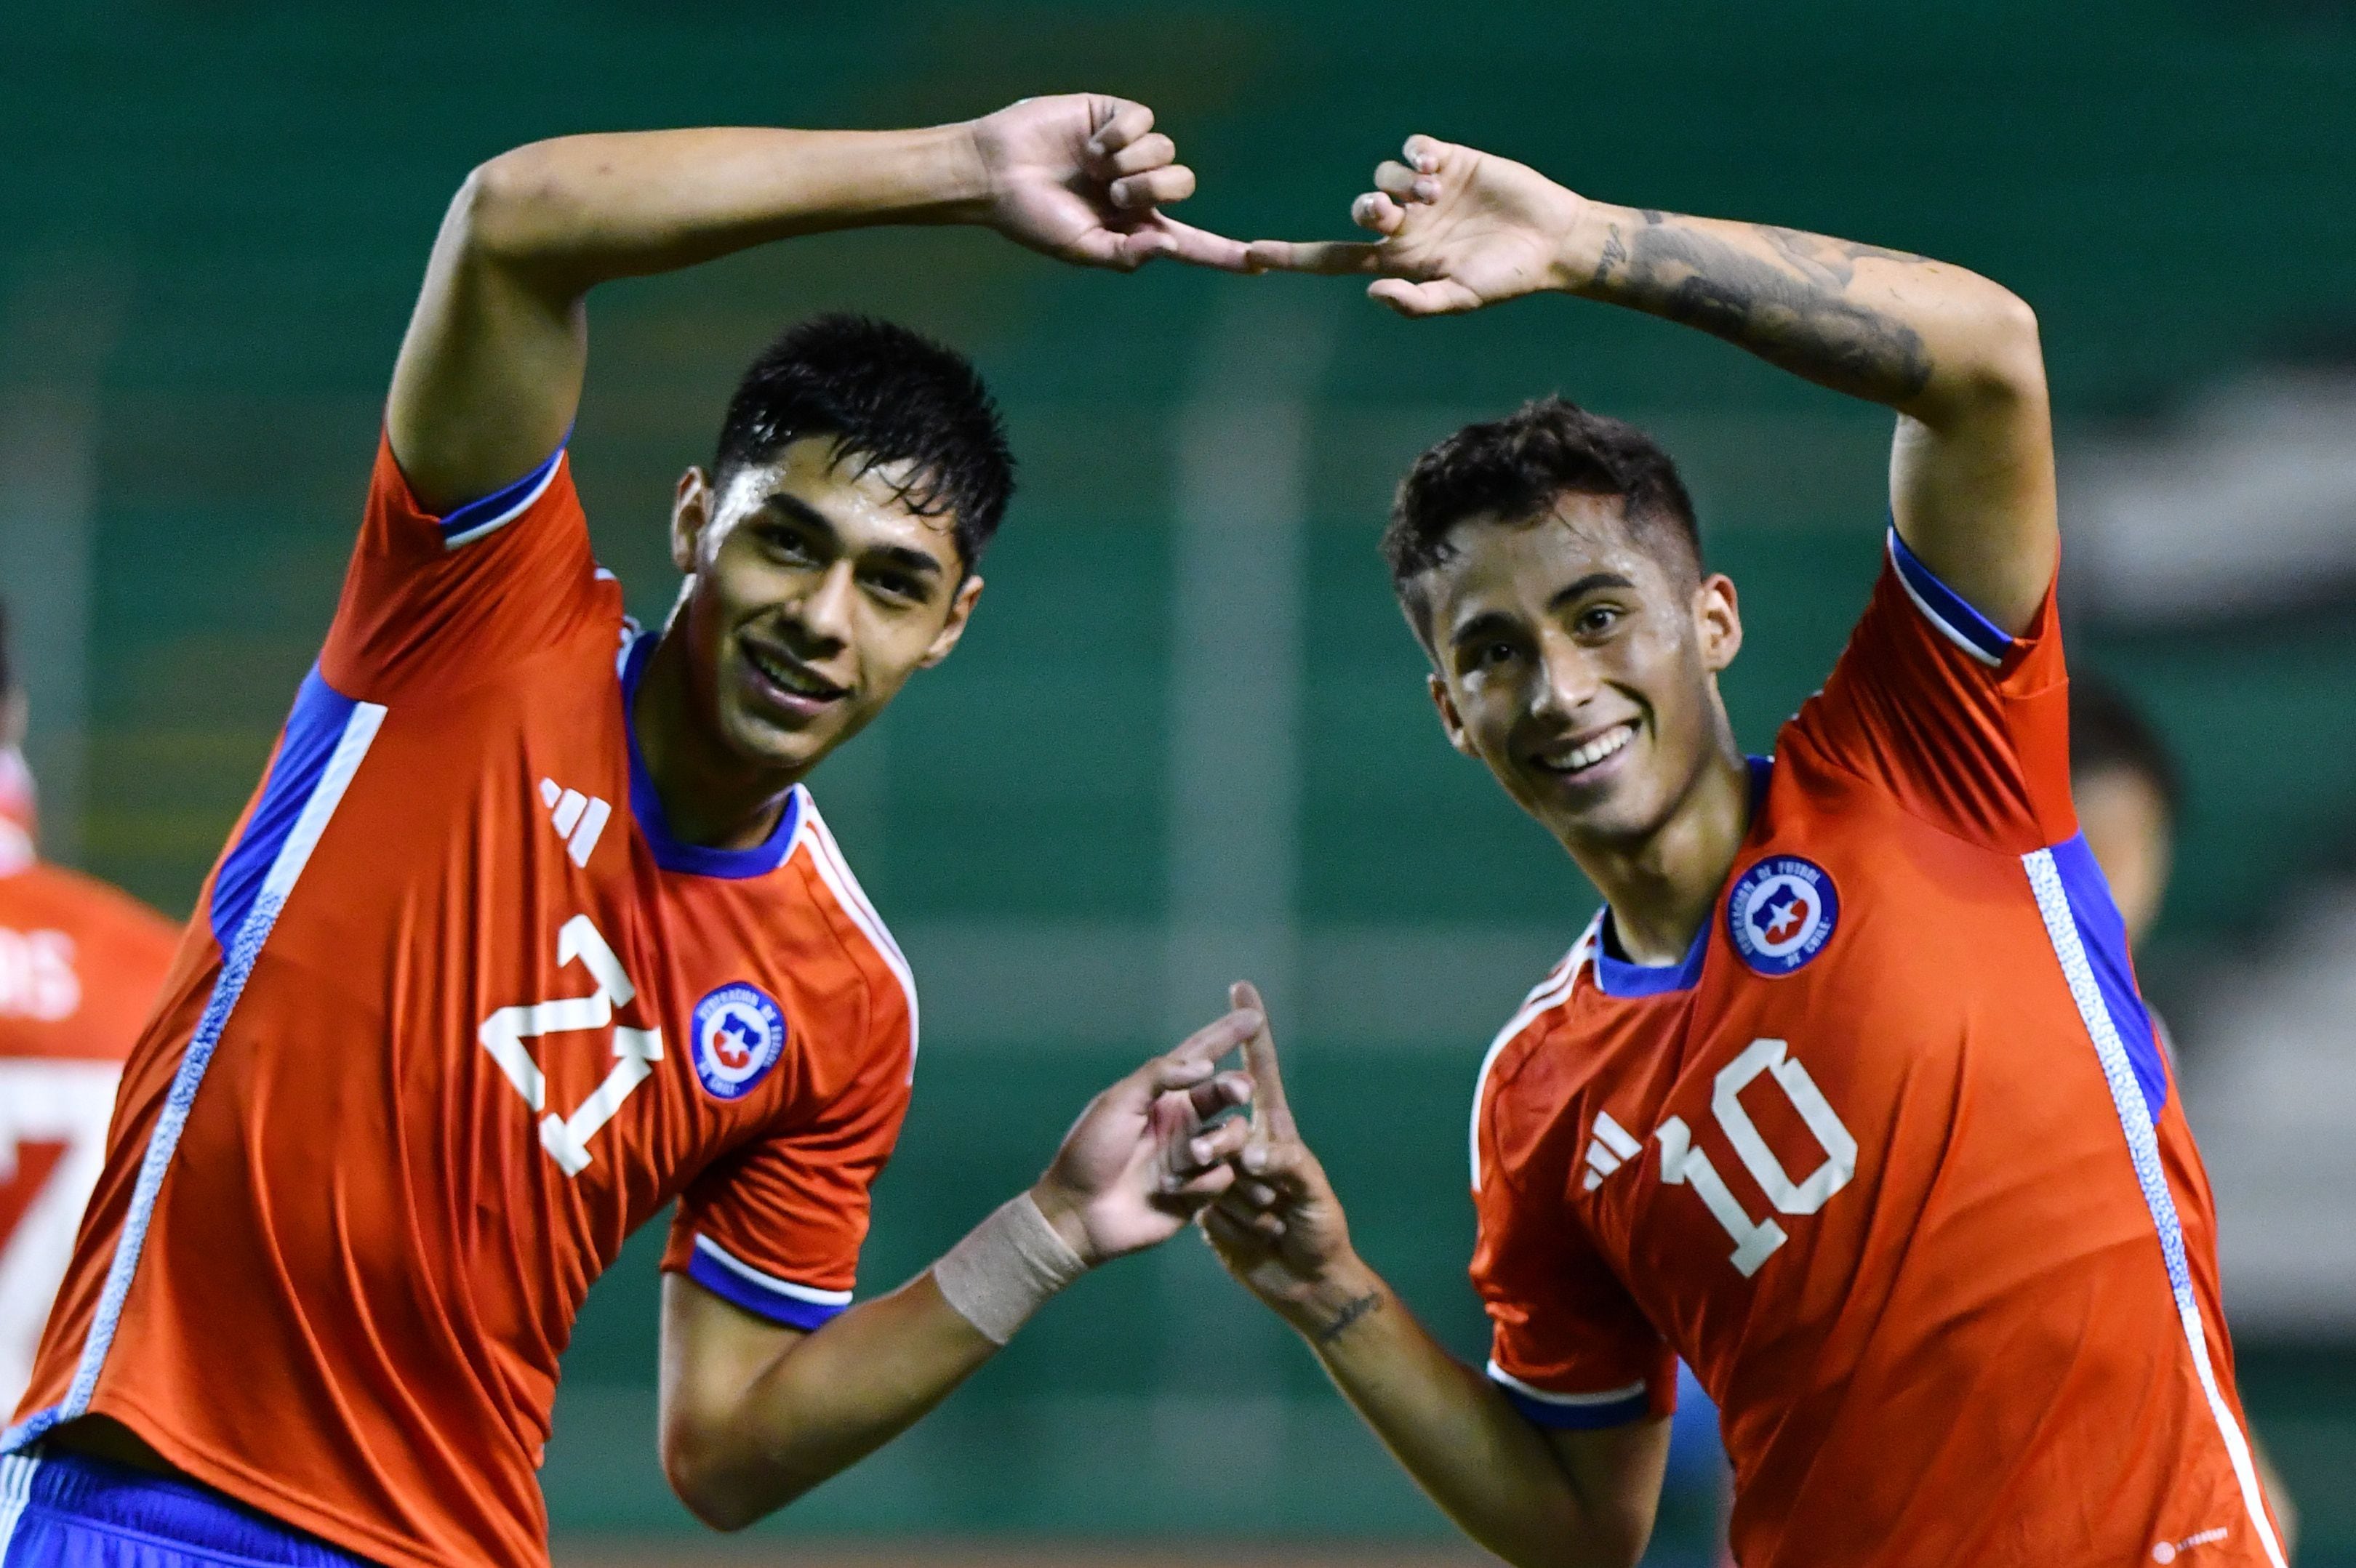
945, 641
1451, 721
1718, 622
690, 514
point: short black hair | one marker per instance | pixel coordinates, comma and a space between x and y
2108, 731
1515, 468
886, 395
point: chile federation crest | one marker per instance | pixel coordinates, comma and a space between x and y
1781, 913
739, 1034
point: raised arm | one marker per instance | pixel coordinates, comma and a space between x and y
490, 371
1971, 481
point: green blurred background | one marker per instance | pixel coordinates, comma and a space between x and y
1187, 722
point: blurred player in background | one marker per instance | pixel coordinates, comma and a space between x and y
532, 928
1847, 1097
2130, 795
81, 964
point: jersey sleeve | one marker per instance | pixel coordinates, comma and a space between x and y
444, 601
1568, 1345
1933, 705
777, 1227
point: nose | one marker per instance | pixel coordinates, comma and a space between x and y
1566, 678
824, 615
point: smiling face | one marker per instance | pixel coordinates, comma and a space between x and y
814, 592
1579, 662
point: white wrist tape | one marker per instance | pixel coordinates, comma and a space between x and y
1006, 1268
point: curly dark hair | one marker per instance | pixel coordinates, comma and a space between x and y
1513, 469
887, 395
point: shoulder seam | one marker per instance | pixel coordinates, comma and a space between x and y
827, 858
1544, 997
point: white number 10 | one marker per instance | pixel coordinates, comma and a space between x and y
1683, 1163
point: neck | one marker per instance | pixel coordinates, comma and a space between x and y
710, 797
1662, 886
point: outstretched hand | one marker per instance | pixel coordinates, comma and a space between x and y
1144, 1157
1460, 228
1280, 1228
1083, 177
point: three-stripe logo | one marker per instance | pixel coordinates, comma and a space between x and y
1607, 1150
579, 819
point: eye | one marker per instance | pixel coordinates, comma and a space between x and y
790, 546
898, 587
1492, 654
1597, 620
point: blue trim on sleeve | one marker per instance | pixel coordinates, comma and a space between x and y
2102, 933
314, 728
674, 854
464, 524
1952, 614
1577, 1417
731, 1286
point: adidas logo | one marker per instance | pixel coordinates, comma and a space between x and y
579, 819
1610, 1149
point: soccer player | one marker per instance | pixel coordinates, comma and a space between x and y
532, 928
79, 966
1848, 1097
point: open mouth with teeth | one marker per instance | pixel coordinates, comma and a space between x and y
1581, 761
801, 688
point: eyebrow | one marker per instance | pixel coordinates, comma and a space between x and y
1491, 621
796, 509
1586, 585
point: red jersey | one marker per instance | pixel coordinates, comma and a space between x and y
457, 1015
1891, 1159
79, 966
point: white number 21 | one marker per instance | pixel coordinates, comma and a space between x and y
635, 1051
1683, 1163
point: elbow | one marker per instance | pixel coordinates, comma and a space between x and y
713, 1490
2005, 363
501, 212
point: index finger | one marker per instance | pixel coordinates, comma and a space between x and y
1271, 1114
1123, 122
1325, 257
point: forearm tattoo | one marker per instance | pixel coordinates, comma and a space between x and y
1790, 306
1349, 1313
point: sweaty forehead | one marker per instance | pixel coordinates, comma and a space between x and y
864, 505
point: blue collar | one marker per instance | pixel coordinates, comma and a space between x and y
1619, 978
675, 854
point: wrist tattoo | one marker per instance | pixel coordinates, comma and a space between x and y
1349, 1313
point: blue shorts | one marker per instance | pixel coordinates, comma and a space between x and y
68, 1510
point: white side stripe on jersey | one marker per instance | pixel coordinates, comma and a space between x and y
2143, 1150
324, 793
835, 871
1550, 992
